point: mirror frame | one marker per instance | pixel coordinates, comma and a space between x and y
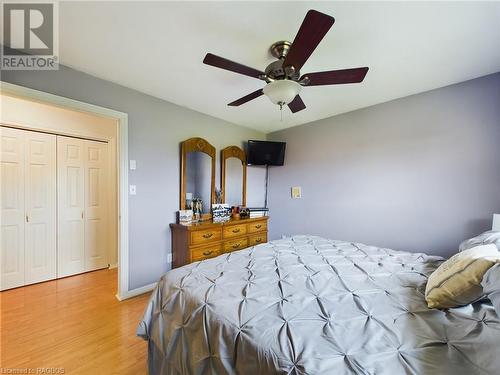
196, 145
238, 153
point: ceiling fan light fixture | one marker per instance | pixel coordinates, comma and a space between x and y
282, 92
284, 81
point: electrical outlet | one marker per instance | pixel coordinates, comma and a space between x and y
296, 192
133, 165
132, 190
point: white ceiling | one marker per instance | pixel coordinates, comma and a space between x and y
158, 48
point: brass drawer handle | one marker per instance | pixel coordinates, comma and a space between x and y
208, 235
237, 230
258, 240
258, 226
236, 245
208, 252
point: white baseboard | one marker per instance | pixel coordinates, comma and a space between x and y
111, 266
136, 292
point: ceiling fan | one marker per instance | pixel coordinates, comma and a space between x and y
283, 78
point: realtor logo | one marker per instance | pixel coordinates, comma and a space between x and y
30, 37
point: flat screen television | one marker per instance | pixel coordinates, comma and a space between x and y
265, 153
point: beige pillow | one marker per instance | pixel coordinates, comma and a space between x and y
457, 281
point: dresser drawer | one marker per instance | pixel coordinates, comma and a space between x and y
205, 236
205, 252
257, 239
236, 244
235, 230
258, 226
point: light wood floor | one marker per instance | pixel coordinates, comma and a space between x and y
74, 323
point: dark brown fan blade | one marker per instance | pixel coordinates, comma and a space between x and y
313, 29
246, 98
222, 63
335, 77
296, 104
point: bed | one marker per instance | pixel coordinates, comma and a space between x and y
309, 305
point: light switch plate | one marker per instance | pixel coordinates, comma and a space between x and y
169, 258
133, 165
296, 192
132, 190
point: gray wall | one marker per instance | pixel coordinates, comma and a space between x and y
419, 173
155, 129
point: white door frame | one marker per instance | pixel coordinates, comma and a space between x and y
122, 161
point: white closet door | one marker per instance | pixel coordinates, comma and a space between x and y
12, 208
96, 205
40, 207
71, 205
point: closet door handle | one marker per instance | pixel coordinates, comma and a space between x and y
82, 215
27, 218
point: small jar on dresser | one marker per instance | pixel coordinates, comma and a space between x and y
199, 241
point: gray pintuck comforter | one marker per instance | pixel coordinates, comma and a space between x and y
308, 305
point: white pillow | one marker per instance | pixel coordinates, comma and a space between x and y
457, 281
485, 238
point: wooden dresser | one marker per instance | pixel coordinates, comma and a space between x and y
194, 242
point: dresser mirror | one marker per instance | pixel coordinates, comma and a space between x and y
233, 176
197, 176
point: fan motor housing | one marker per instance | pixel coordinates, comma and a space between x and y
275, 70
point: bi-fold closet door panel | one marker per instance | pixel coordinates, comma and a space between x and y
28, 207
82, 205
40, 206
96, 205
13, 213
70, 206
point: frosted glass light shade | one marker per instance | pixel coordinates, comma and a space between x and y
282, 92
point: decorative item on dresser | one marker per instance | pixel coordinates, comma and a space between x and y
216, 234
198, 241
